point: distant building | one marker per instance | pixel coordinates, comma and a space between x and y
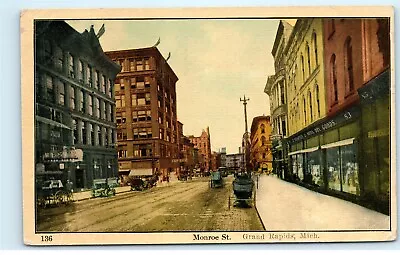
261, 145
222, 153
276, 88
235, 161
145, 93
74, 106
203, 143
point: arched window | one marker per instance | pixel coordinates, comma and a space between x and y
317, 97
302, 67
305, 110
310, 102
308, 58
315, 46
348, 64
334, 79
263, 140
262, 127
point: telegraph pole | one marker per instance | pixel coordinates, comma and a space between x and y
245, 100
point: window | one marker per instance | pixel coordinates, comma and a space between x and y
103, 110
305, 111
139, 65
141, 99
134, 100
334, 79
97, 80
80, 69
104, 84
314, 171
59, 58
283, 127
82, 101
308, 58
72, 98
315, 46
122, 100
140, 82
318, 103
91, 130
61, 91
333, 166
147, 64
75, 134
348, 63
133, 83
89, 75
118, 101
71, 69
110, 88
131, 65
282, 88
99, 137
302, 67
310, 102
50, 89
122, 64
262, 127
97, 107
263, 140
90, 109
84, 135
122, 85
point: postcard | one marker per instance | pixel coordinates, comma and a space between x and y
208, 125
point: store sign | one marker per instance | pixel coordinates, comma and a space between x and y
378, 133
340, 118
374, 89
66, 155
179, 160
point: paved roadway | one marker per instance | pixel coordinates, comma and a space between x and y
187, 206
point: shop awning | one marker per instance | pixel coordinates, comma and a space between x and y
141, 172
51, 122
304, 151
337, 144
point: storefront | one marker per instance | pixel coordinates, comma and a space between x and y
375, 107
348, 155
280, 158
324, 157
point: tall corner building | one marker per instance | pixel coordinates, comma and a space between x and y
74, 106
147, 126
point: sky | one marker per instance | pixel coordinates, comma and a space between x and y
217, 63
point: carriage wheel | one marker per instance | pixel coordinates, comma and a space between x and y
69, 197
41, 202
59, 197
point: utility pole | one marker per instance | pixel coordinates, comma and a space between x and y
245, 100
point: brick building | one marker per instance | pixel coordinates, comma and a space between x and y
261, 144
147, 126
74, 106
203, 143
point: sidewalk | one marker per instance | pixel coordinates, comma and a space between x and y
286, 206
78, 196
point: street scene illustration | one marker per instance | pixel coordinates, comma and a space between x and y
212, 125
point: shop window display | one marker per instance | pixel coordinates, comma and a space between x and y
314, 168
300, 173
349, 167
333, 166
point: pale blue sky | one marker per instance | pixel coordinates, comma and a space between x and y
217, 62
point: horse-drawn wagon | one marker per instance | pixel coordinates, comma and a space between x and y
52, 193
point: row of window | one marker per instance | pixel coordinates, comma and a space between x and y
76, 68
134, 83
144, 150
306, 64
133, 64
308, 114
74, 98
88, 133
348, 82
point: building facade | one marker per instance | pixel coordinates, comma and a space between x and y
306, 94
75, 122
235, 162
147, 126
344, 149
261, 144
276, 88
222, 153
203, 143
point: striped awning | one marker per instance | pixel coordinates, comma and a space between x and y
303, 151
339, 143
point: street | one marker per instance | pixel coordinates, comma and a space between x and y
179, 206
